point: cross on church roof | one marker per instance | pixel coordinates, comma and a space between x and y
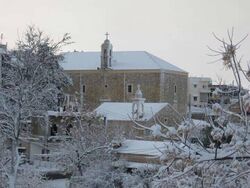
107, 35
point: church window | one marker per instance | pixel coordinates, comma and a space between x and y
129, 88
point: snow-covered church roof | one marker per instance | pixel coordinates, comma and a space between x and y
120, 111
122, 60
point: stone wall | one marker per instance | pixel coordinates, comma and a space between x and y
111, 85
128, 128
169, 93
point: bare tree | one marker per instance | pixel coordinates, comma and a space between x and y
226, 161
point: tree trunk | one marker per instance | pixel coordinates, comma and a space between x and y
79, 163
14, 164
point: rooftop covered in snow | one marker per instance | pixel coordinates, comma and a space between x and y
201, 110
122, 60
142, 147
122, 111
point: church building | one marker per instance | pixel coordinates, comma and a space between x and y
113, 76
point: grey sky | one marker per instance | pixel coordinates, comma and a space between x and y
175, 30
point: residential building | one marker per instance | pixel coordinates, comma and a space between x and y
199, 91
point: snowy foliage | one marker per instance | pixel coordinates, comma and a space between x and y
32, 80
28, 176
223, 158
156, 130
103, 175
88, 142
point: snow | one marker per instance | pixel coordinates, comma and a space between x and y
57, 113
201, 110
122, 60
136, 165
142, 147
121, 111
58, 183
200, 123
156, 130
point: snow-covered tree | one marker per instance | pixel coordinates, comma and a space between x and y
88, 142
32, 81
225, 162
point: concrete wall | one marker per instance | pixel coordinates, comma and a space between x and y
198, 86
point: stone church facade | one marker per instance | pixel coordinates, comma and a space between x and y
114, 76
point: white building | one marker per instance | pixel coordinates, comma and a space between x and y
198, 90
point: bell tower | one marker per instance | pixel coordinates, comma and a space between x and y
138, 104
106, 53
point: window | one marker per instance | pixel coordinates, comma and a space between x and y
175, 88
53, 130
203, 86
195, 98
195, 85
83, 88
147, 132
129, 88
106, 85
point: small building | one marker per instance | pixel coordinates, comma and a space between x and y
120, 117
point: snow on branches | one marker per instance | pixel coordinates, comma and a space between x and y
31, 82
217, 153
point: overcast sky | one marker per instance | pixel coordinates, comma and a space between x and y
175, 30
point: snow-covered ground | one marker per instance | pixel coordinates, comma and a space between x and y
59, 183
